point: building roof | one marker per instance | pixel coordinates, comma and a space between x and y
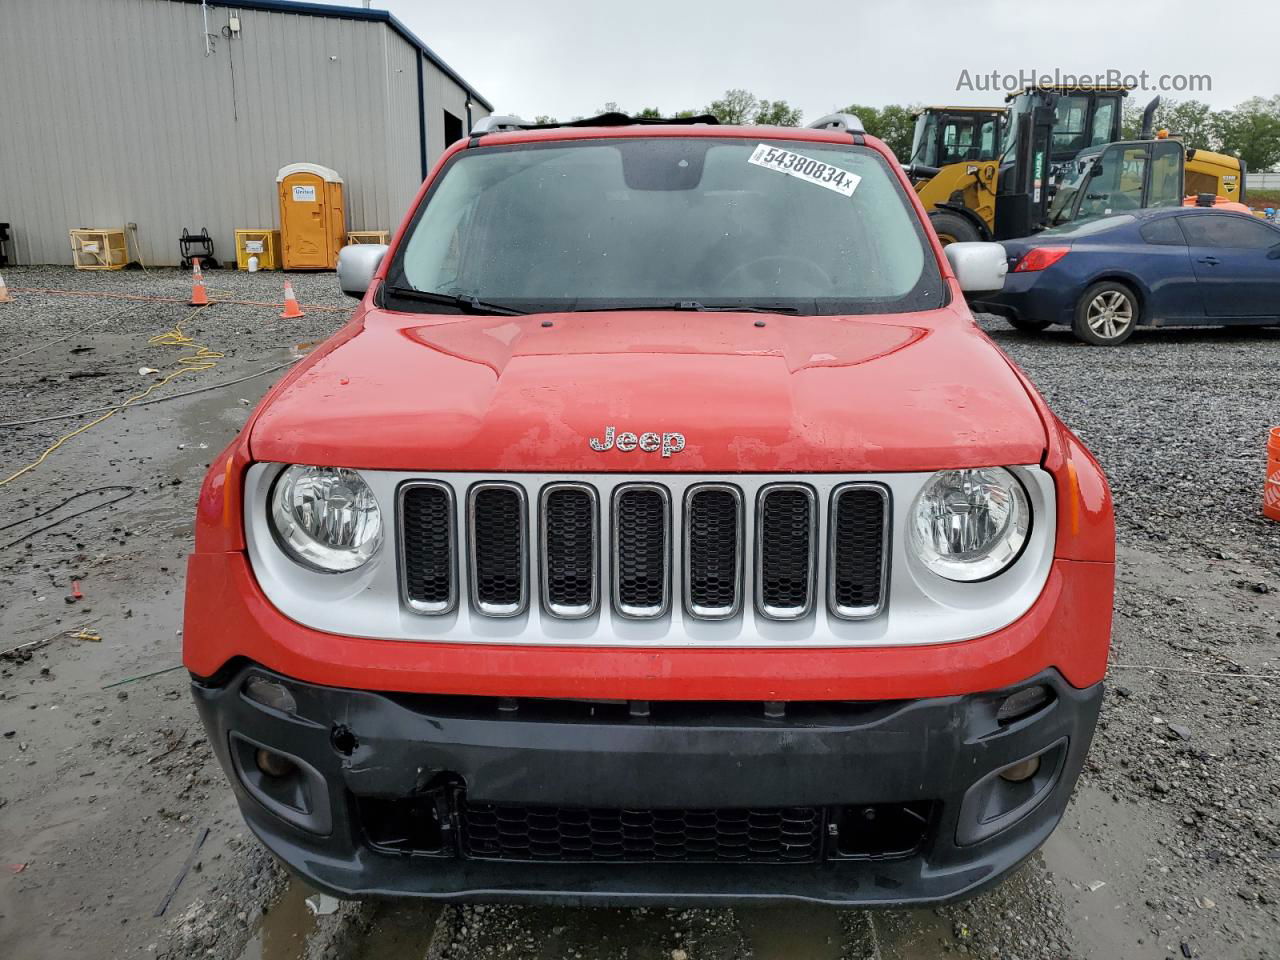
358, 13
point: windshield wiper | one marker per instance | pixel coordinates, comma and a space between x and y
467, 304
692, 306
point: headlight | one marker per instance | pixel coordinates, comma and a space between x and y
970, 524
326, 518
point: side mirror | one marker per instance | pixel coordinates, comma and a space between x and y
357, 264
980, 267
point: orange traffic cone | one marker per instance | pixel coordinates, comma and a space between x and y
1271, 490
291, 309
199, 296
4, 292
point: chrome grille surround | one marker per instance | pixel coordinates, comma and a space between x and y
809, 560
725, 611
403, 560
833, 513
489, 608
568, 611
918, 608
637, 611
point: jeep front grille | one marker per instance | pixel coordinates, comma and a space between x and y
578, 545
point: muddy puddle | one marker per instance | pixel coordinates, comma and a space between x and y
284, 929
291, 929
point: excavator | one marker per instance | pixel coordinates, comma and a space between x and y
1055, 141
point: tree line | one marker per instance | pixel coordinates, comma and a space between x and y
1250, 130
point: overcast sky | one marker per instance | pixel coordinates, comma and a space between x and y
568, 57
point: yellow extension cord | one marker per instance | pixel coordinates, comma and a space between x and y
203, 358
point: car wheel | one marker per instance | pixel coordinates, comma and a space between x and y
1027, 324
1107, 314
953, 228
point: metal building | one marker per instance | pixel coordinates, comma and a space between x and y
173, 113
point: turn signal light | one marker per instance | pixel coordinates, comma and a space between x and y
1023, 703
1038, 258
271, 693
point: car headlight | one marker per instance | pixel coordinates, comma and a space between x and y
326, 518
970, 524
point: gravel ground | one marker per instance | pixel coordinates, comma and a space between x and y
1171, 848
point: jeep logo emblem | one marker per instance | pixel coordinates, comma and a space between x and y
667, 443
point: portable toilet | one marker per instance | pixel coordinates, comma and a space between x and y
312, 225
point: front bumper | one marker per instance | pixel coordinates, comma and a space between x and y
387, 787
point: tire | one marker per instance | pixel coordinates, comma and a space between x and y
953, 228
1107, 314
1027, 324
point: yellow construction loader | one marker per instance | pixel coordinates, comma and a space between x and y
1060, 159
1006, 193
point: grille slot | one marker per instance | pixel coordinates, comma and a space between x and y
713, 551
427, 561
496, 521
785, 534
570, 557
572, 834
641, 550
859, 525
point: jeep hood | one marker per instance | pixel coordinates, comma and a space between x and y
749, 392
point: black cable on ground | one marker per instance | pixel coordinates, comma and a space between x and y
143, 403
129, 491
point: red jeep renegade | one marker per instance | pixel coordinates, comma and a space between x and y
660, 529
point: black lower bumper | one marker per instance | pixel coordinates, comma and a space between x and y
883, 803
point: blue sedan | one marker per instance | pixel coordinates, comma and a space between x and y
1183, 266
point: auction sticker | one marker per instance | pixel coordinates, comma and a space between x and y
805, 168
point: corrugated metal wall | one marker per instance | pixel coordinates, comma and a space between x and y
113, 113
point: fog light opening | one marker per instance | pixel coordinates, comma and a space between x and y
273, 764
1021, 771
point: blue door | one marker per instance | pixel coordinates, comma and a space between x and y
1236, 270
1164, 264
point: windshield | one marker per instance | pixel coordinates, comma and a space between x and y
924, 140
698, 222
1072, 230
1074, 174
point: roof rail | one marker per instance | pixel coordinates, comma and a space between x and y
504, 124
846, 122
497, 123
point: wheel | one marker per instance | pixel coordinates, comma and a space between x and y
1107, 314
1027, 324
953, 228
